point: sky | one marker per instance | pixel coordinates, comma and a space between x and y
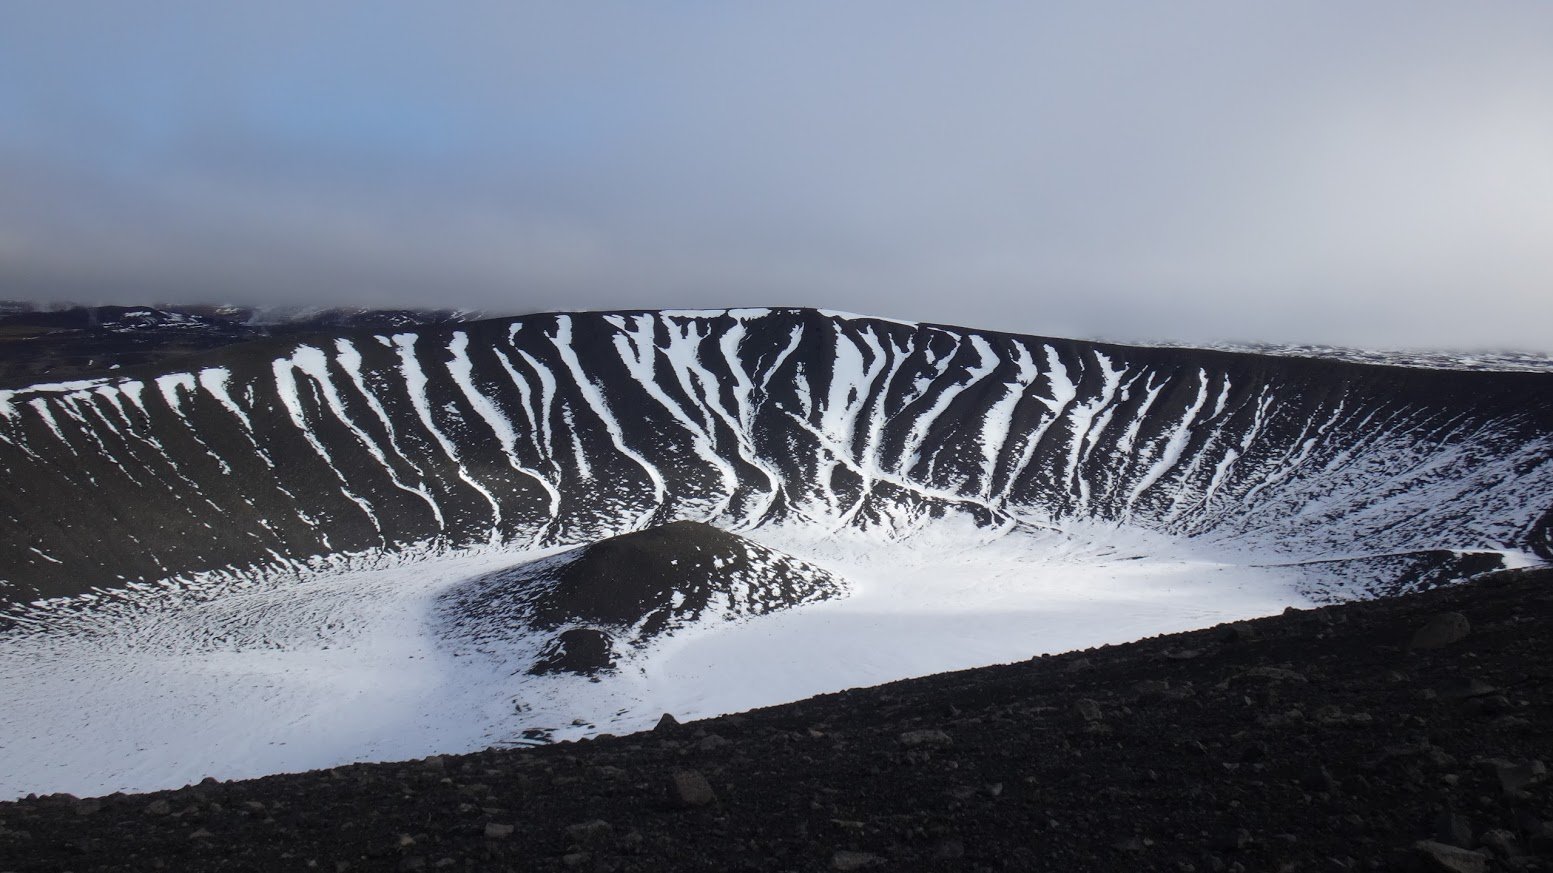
1374, 174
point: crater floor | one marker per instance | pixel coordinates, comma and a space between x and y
1317, 740
345, 665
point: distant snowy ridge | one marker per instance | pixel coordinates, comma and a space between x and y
1486, 361
558, 429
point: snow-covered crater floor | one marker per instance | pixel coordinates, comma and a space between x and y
350, 665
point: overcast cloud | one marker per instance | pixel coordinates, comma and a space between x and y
1374, 174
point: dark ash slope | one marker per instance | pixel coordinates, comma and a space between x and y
1311, 741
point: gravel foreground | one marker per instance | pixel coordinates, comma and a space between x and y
1404, 734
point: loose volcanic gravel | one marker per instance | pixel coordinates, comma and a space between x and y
1401, 734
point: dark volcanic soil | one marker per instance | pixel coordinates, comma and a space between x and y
1313, 741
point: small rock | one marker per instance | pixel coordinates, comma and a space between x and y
1087, 709
666, 723
1441, 631
576, 859
1320, 779
1329, 715
928, 737
434, 764
847, 860
1502, 842
1464, 687
1237, 633
1151, 688
1266, 674
90, 806
589, 833
1234, 840
1131, 845
494, 831
949, 850
691, 789
1453, 830
201, 834
413, 862
1493, 704
713, 742
1514, 776
1250, 753
1433, 856
1539, 835
158, 807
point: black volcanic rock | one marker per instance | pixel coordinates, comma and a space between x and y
1353, 769
629, 589
582, 650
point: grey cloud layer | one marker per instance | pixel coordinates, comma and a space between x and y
1375, 175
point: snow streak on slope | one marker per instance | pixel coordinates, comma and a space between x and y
558, 429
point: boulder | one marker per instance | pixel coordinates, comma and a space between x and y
1436, 857
690, 788
1441, 631
848, 860
911, 739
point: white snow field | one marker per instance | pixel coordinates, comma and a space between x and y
345, 664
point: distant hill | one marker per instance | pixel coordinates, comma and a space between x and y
67, 342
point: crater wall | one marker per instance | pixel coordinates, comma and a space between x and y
563, 428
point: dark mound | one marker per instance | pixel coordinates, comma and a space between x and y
675, 572
631, 588
582, 650
1329, 739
